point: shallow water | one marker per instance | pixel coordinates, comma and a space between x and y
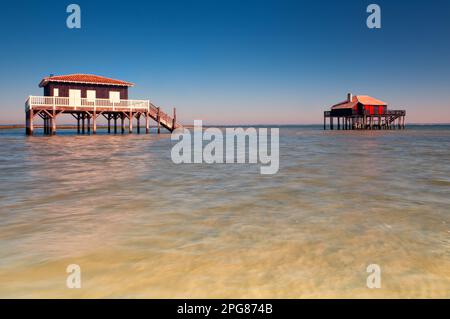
140, 226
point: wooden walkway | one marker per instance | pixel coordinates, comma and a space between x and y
86, 112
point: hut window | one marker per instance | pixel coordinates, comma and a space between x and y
114, 96
90, 95
55, 92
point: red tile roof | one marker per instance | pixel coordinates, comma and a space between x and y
345, 104
363, 99
83, 78
368, 100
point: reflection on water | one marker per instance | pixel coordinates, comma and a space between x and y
141, 226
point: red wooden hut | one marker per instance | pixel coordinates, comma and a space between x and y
364, 112
359, 105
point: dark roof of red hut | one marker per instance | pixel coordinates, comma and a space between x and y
84, 79
363, 99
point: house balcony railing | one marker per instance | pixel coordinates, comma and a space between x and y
386, 113
354, 113
85, 103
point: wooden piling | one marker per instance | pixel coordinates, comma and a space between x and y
159, 121
174, 119
27, 124
94, 123
130, 125
88, 119
30, 127
83, 118
53, 121
138, 123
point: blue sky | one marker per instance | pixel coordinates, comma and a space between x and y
236, 62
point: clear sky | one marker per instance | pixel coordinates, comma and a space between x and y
236, 62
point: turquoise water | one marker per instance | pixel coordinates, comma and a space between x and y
140, 226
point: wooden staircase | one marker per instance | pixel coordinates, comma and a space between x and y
394, 115
165, 120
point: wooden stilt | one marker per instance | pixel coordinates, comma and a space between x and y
27, 125
30, 117
138, 123
53, 121
83, 117
174, 120
130, 123
109, 123
94, 120
331, 123
122, 123
88, 116
115, 122
147, 123
159, 120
